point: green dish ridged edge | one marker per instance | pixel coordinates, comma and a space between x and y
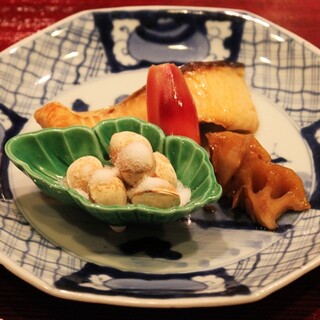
45, 155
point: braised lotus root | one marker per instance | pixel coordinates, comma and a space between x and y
248, 176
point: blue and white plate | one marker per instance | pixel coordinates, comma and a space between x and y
91, 60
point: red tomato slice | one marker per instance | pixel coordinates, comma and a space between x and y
169, 102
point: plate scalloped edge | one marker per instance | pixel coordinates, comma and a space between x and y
51, 84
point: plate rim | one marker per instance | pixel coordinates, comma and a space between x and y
151, 302
73, 16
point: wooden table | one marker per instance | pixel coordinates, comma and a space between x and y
19, 300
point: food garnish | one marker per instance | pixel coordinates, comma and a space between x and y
136, 173
169, 102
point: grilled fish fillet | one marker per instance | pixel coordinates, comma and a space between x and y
218, 88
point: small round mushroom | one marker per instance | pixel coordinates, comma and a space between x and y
164, 169
121, 139
155, 192
105, 187
135, 161
80, 171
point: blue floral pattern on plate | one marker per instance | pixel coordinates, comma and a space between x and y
92, 45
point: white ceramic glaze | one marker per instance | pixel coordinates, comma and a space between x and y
208, 260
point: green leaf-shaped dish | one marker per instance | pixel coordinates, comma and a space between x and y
46, 154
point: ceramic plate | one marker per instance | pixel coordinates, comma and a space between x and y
214, 258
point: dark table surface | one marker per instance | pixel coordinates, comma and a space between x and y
19, 300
